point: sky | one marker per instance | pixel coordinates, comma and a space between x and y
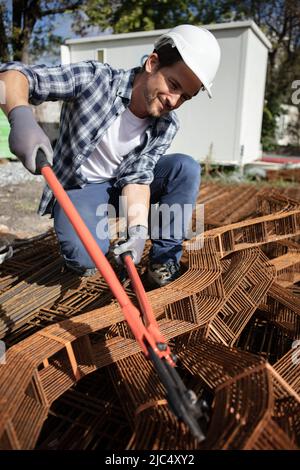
63, 28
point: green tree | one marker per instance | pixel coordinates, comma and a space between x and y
280, 21
26, 26
123, 16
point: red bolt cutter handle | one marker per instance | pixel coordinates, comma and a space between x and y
146, 309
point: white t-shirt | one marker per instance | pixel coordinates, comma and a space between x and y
125, 133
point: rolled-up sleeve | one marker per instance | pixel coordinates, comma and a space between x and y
140, 171
63, 82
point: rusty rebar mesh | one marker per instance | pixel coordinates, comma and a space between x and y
286, 175
264, 338
87, 416
74, 377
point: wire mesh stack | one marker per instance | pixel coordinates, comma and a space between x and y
74, 376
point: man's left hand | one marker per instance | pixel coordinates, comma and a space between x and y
135, 244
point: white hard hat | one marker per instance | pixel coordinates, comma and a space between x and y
198, 48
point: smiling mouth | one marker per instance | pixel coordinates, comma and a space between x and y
163, 107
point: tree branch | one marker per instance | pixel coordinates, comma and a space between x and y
55, 11
3, 36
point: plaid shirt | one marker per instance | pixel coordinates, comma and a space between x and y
94, 94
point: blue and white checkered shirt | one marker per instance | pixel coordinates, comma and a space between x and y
94, 94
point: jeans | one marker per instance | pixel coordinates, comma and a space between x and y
175, 184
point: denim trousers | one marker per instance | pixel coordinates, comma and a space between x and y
175, 187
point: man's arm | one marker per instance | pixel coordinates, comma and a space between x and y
63, 82
137, 206
15, 90
137, 202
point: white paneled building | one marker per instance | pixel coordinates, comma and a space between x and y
228, 126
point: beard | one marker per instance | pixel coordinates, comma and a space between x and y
154, 105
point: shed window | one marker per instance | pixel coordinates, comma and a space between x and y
100, 55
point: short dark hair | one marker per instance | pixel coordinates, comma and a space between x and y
167, 56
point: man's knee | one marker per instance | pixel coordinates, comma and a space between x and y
76, 255
186, 168
189, 166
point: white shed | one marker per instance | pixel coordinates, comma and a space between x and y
228, 126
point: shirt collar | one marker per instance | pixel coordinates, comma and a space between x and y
126, 83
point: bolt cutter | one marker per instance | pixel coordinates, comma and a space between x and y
142, 322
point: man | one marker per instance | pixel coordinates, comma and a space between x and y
115, 129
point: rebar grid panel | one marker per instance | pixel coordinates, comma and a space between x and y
23, 301
246, 282
230, 205
88, 417
287, 368
152, 419
253, 232
270, 201
243, 397
262, 337
204, 284
285, 256
41, 380
287, 416
54, 379
283, 308
92, 293
287, 269
285, 174
154, 425
28, 254
18, 315
292, 192
276, 249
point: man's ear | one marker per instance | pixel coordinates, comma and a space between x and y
152, 63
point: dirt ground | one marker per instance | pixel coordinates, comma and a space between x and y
18, 211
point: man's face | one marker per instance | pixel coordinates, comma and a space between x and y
169, 87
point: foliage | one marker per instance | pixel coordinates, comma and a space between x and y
123, 16
26, 26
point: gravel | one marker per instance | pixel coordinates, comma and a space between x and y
20, 193
13, 172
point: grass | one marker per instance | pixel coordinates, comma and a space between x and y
234, 178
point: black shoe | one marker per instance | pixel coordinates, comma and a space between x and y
163, 274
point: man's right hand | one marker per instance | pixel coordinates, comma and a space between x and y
26, 138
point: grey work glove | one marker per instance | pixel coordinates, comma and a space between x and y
26, 137
135, 243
